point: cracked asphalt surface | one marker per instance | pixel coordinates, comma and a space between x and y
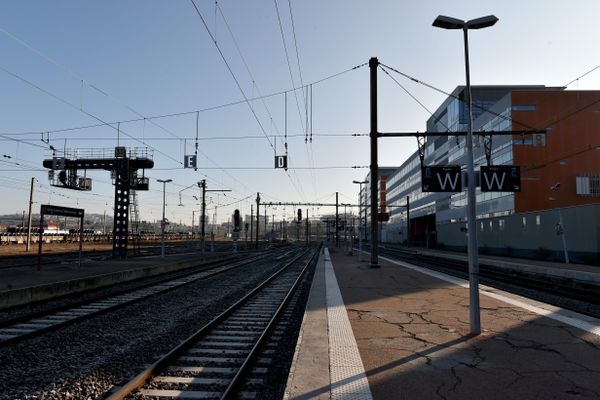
412, 333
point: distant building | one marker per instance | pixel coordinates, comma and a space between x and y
568, 154
364, 197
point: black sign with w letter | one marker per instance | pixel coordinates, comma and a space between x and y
441, 178
501, 178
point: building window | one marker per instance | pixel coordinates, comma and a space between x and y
588, 185
523, 107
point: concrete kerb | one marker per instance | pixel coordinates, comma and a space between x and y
523, 267
309, 376
27, 295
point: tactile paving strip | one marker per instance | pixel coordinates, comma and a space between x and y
348, 379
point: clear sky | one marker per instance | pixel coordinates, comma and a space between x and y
72, 63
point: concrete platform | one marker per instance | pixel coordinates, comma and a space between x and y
576, 272
26, 284
410, 330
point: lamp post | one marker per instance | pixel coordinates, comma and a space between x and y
560, 229
478, 23
360, 219
163, 222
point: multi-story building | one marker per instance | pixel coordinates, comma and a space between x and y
364, 199
560, 170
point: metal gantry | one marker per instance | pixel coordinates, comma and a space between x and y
123, 166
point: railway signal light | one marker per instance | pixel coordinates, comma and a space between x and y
299, 214
236, 220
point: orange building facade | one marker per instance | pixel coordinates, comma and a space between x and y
562, 167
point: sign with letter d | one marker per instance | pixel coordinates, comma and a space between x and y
280, 161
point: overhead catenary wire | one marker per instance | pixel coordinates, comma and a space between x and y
411, 95
298, 59
287, 58
178, 114
270, 168
82, 80
8, 137
246, 100
68, 103
549, 122
581, 76
238, 84
474, 105
247, 67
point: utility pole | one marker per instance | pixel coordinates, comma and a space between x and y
193, 220
251, 220
345, 238
163, 222
337, 222
202, 232
257, 216
30, 216
307, 227
407, 221
202, 184
373, 64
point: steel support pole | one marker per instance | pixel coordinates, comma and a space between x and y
80, 239
40, 239
307, 236
563, 236
202, 229
337, 222
373, 64
30, 216
474, 315
162, 225
345, 228
251, 221
407, 221
257, 216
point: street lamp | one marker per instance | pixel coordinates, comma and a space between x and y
364, 228
163, 222
478, 23
560, 229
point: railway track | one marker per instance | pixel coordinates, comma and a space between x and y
22, 327
217, 360
550, 290
68, 257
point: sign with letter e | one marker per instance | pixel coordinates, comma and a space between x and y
280, 161
441, 178
500, 178
189, 162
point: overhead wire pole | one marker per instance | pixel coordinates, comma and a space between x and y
30, 216
307, 233
337, 222
202, 184
373, 64
257, 216
202, 230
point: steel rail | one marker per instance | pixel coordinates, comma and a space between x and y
244, 368
99, 311
146, 375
